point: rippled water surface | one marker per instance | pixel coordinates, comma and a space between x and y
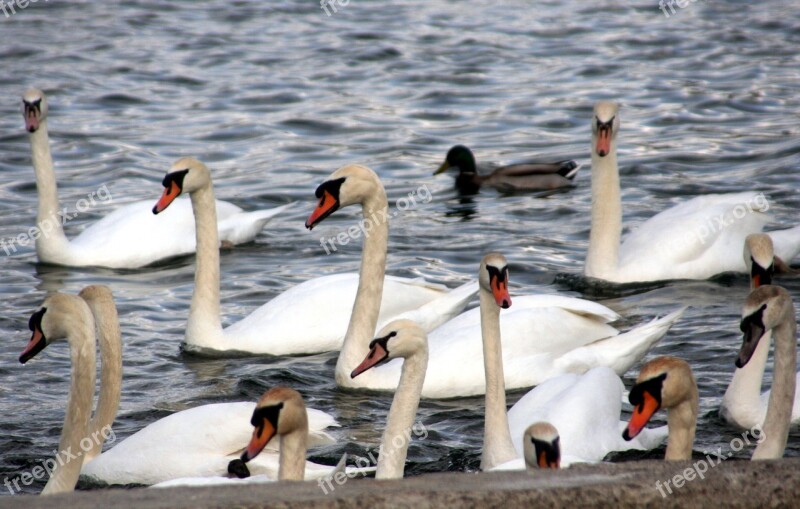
276, 95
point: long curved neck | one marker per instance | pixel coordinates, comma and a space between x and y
47, 217
602, 258
397, 435
498, 447
781, 399
292, 462
204, 317
110, 339
744, 391
79, 409
367, 306
682, 423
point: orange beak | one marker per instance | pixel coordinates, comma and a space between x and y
756, 281
170, 193
261, 437
327, 205
603, 141
543, 463
500, 292
376, 354
35, 345
641, 415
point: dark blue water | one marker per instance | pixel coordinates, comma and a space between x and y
274, 96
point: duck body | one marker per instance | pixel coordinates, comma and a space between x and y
520, 177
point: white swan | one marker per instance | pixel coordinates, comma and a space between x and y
584, 408
572, 335
666, 382
308, 318
767, 309
541, 446
743, 404
197, 442
693, 240
401, 339
129, 237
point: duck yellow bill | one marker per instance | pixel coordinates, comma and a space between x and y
641, 415
443, 168
325, 207
261, 437
375, 356
170, 193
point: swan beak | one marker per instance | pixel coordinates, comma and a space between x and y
376, 355
327, 205
548, 454
261, 437
753, 332
603, 141
31, 120
500, 292
641, 415
35, 345
171, 192
443, 168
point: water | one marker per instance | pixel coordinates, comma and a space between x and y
276, 95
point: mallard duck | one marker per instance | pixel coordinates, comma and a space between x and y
527, 176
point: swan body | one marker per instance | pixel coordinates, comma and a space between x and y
198, 442
585, 408
571, 335
284, 325
543, 336
528, 176
743, 404
693, 240
129, 237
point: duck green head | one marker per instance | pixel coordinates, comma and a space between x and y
458, 157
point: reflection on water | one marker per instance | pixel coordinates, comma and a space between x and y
276, 95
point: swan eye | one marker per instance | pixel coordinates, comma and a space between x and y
36, 319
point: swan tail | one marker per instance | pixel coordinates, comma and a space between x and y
619, 352
244, 227
787, 243
442, 309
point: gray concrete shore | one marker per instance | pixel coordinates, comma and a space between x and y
631, 484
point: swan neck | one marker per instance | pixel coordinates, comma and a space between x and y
682, 424
744, 391
400, 422
602, 258
47, 218
781, 398
79, 408
110, 339
204, 313
366, 307
498, 447
292, 462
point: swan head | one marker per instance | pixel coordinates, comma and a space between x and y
541, 446
399, 339
458, 157
663, 382
280, 411
34, 109
187, 175
759, 257
493, 278
765, 308
58, 315
605, 125
349, 185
